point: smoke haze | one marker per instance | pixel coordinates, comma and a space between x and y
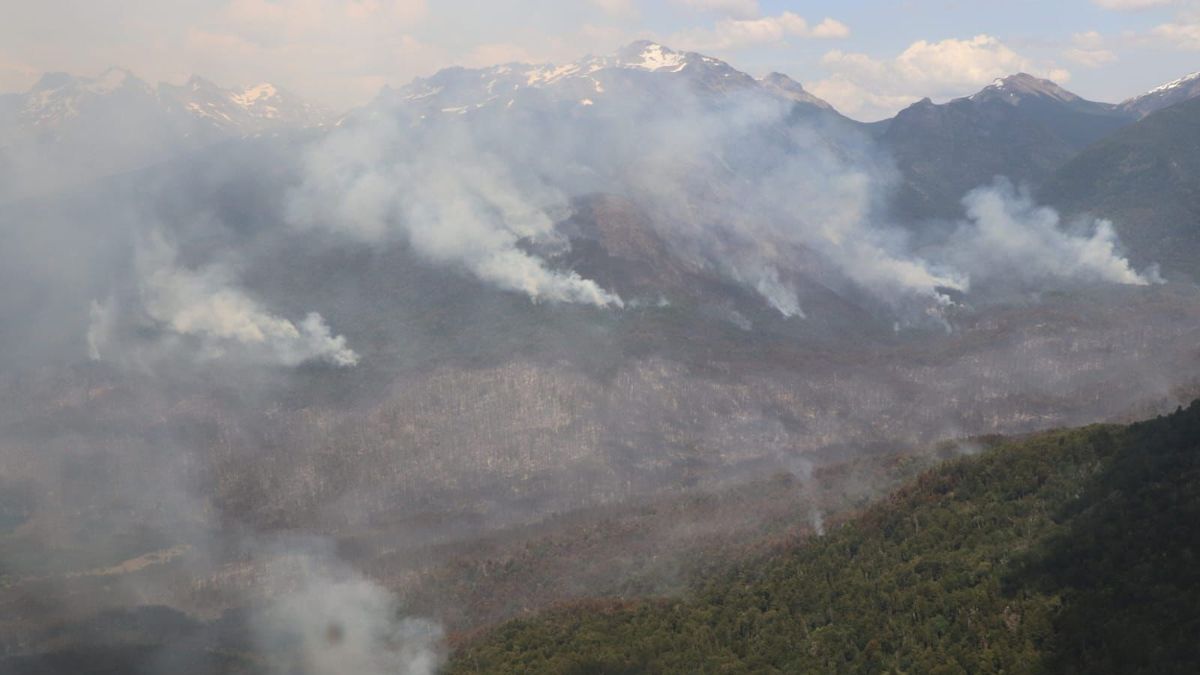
324, 391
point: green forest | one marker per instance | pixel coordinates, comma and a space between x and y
1065, 552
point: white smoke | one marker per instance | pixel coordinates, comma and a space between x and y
734, 182
101, 325
452, 202
336, 621
205, 306
817, 521
1008, 238
757, 193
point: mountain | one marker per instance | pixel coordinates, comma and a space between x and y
1021, 127
1165, 96
1068, 552
1146, 179
69, 129
60, 100
243, 110
786, 87
611, 320
637, 70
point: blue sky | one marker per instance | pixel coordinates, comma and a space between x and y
868, 57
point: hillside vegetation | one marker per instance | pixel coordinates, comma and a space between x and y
1067, 552
1144, 178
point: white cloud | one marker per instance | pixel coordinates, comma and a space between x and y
1180, 34
342, 49
830, 28
497, 53
1089, 50
1132, 5
1088, 40
738, 9
1090, 58
269, 20
621, 8
739, 33
15, 76
867, 87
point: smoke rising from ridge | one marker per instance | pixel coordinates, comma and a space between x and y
1008, 237
738, 182
769, 191
735, 184
425, 230
334, 620
205, 306
451, 202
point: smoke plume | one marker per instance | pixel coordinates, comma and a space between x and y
205, 310
1008, 238
450, 201
336, 621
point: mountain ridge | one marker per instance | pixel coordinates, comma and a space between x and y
57, 98
590, 81
1163, 96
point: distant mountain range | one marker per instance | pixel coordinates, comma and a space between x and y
1079, 154
1020, 127
1177, 91
646, 275
59, 100
68, 130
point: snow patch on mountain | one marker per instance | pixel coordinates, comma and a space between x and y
656, 57
591, 78
1175, 84
1164, 96
59, 98
1016, 87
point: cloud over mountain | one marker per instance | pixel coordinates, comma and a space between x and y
870, 88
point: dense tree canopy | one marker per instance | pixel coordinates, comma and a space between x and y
1068, 552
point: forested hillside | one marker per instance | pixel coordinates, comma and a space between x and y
1067, 552
1143, 178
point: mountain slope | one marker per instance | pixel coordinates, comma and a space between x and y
241, 110
1146, 178
1067, 552
1177, 91
1020, 127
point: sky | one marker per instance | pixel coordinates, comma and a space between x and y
869, 58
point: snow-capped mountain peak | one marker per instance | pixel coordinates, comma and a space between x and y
248, 96
588, 82
1015, 88
1164, 96
643, 55
646, 55
107, 82
241, 110
1176, 84
59, 97
198, 108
